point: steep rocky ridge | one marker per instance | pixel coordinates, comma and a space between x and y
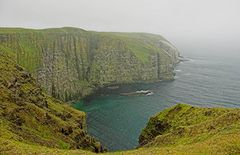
27, 115
69, 62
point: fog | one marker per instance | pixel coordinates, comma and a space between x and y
189, 24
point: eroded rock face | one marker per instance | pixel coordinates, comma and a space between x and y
70, 63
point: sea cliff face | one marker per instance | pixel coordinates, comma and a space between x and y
70, 63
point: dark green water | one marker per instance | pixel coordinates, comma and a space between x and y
204, 81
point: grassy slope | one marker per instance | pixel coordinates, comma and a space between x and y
187, 129
27, 42
141, 44
29, 117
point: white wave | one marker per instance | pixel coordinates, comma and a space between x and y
149, 94
178, 70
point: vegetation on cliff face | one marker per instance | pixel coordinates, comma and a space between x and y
30, 117
69, 62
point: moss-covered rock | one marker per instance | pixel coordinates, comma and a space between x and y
27, 115
185, 126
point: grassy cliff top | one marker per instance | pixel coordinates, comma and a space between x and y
141, 44
185, 129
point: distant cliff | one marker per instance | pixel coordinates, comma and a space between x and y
69, 62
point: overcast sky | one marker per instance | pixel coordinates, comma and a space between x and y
177, 20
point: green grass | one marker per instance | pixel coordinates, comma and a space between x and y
141, 44
28, 42
29, 116
184, 126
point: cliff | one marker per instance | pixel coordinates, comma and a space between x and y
29, 116
184, 129
70, 63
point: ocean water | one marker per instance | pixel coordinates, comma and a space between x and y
207, 80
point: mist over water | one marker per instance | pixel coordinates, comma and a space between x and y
209, 79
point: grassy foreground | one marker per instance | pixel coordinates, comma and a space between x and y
29, 117
191, 130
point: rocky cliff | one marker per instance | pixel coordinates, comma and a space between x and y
185, 129
69, 62
27, 115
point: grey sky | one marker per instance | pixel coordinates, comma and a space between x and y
175, 19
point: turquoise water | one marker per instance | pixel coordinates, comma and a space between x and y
205, 80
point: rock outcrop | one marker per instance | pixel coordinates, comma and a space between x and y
69, 63
185, 129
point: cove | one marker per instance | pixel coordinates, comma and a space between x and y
117, 120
